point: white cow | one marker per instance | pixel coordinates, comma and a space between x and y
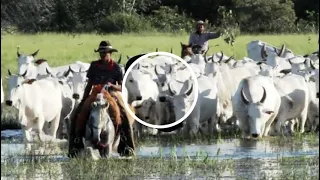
146, 111
313, 110
259, 51
315, 76
140, 85
2, 93
256, 104
182, 94
28, 63
294, 93
37, 102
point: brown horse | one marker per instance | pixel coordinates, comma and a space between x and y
109, 126
186, 51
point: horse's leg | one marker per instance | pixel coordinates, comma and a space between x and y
126, 145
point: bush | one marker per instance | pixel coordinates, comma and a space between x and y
124, 23
272, 16
170, 20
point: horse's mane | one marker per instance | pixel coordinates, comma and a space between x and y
119, 97
114, 108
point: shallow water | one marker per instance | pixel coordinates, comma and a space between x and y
251, 157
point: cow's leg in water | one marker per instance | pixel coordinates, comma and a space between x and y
27, 135
27, 138
268, 124
303, 119
40, 123
280, 123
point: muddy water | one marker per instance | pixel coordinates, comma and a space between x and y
252, 159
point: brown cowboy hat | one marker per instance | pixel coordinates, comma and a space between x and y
106, 47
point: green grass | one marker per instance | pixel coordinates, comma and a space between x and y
61, 49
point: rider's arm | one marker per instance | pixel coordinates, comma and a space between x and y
212, 35
89, 84
119, 79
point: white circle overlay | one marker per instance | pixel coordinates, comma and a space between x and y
195, 89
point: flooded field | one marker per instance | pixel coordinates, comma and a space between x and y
164, 158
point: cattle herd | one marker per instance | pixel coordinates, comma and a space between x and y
271, 92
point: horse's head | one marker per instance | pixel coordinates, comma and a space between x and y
100, 128
186, 50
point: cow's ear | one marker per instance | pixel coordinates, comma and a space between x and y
39, 61
270, 112
30, 81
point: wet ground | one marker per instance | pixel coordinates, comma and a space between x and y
245, 159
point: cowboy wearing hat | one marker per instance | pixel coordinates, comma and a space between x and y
200, 38
104, 71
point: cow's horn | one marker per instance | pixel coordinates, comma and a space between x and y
47, 70
9, 72
229, 59
67, 72
205, 57
171, 93
35, 53
283, 47
245, 100
24, 74
18, 54
263, 51
155, 70
221, 57
171, 51
170, 69
312, 66
71, 69
263, 96
119, 61
190, 90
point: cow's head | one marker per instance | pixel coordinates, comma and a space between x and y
258, 114
144, 109
182, 97
163, 77
14, 81
25, 62
139, 83
78, 81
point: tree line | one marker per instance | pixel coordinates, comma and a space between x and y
170, 16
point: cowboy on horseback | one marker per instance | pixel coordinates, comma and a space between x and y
102, 73
200, 38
